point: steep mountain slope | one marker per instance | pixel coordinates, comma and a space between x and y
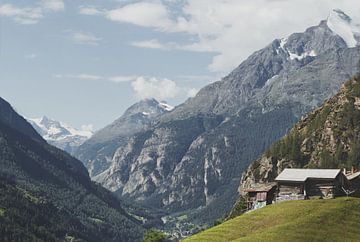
328, 137
310, 220
10, 118
191, 159
97, 152
51, 183
59, 134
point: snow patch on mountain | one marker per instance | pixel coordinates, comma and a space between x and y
342, 25
283, 41
166, 106
294, 56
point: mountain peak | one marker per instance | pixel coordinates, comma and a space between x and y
148, 107
341, 24
60, 134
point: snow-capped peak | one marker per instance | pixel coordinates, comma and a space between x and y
61, 134
54, 128
342, 25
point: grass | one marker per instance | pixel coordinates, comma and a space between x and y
306, 220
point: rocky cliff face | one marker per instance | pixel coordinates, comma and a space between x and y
97, 152
192, 158
328, 137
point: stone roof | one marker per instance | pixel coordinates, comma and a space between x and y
301, 175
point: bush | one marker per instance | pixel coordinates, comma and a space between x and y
239, 208
154, 235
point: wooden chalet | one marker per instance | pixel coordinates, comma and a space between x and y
295, 184
260, 195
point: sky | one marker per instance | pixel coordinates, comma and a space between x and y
84, 62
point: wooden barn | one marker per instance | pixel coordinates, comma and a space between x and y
260, 195
295, 184
354, 181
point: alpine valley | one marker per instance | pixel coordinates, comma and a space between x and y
187, 162
178, 169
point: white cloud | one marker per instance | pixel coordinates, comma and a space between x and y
92, 77
146, 14
85, 38
53, 5
231, 28
83, 76
88, 77
143, 86
33, 14
160, 89
90, 11
122, 78
21, 15
155, 44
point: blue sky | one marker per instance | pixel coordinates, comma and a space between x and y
85, 62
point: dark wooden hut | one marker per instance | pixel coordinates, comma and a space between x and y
295, 184
260, 195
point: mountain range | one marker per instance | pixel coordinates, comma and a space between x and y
60, 134
189, 160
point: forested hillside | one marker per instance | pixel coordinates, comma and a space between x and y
47, 195
328, 137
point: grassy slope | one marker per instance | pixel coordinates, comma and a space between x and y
310, 220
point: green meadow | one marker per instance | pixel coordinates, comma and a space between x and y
305, 220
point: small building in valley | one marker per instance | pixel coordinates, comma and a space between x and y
260, 195
295, 184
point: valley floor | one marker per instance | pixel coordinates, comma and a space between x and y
306, 220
